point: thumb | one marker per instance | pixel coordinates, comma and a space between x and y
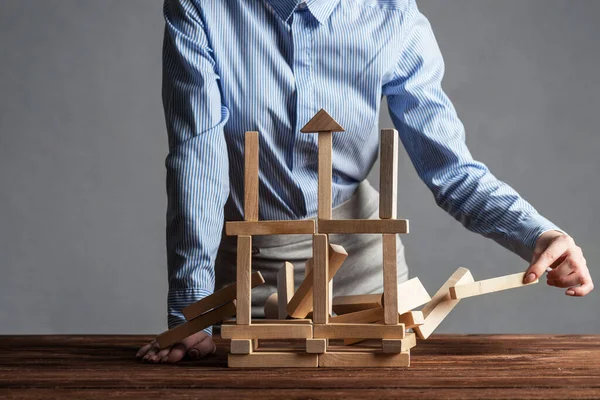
202, 348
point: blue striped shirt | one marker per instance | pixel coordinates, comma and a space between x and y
269, 65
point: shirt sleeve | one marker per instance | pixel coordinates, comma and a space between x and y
197, 176
434, 138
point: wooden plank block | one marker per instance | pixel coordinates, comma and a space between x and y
322, 122
358, 331
182, 331
441, 304
392, 346
324, 205
489, 286
253, 228
390, 279
359, 317
251, 176
220, 297
316, 346
411, 294
411, 319
388, 174
353, 303
267, 331
271, 308
241, 346
244, 285
273, 321
363, 359
285, 288
273, 360
363, 226
320, 279
301, 303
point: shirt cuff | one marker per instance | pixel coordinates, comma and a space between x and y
179, 299
523, 238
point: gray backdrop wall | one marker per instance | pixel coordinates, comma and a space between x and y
82, 146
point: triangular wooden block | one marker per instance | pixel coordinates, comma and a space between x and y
322, 122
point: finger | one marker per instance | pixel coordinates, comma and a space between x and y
548, 257
587, 285
142, 352
566, 268
566, 281
203, 348
150, 354
176, 354
162, 354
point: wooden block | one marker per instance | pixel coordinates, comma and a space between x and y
251, 176
325, 176
316, 346
489, 286
441, 304
301, 303
411, 319
349, 304
392, 346
267, 331
271, 308
363, 226
307, 267
388, 174
411, 294
273, 360
320, 279
273, 322
250, 228
285, 288
358, 331
220, 297
182, 331
242, 346
363, 359
322, 122
359, 317
390, 279
244, 284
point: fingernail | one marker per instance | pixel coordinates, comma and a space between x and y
570, 292
193, 353
530, 278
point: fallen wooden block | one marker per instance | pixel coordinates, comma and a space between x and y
257, 228
285, 288
411, 319
358, 331
182, 331
316, 346
267, 331
287, 359
242, 346
363, 226
251, 176
441, 304
392, 346
218, 298
363, 359
462, 291
411, 294
359, 317
301, 303
353, 303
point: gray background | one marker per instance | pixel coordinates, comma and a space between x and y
82, 146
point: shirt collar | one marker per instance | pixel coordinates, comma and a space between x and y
320, 9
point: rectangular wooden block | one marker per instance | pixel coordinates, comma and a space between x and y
358, 331
285, 288
316, 346
411, 294
441, 304
320, 279
220, 297
388, 174
489, 286
273, 321
273, 360
411, 319
251, 176
353, 303
301, 303
363, 359
242, 346
392, 346
325, 175
258, 228
182, 331
243, 280
359, 317
267, 331
363, 226
390, 279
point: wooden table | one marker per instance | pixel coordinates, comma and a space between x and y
445, 366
